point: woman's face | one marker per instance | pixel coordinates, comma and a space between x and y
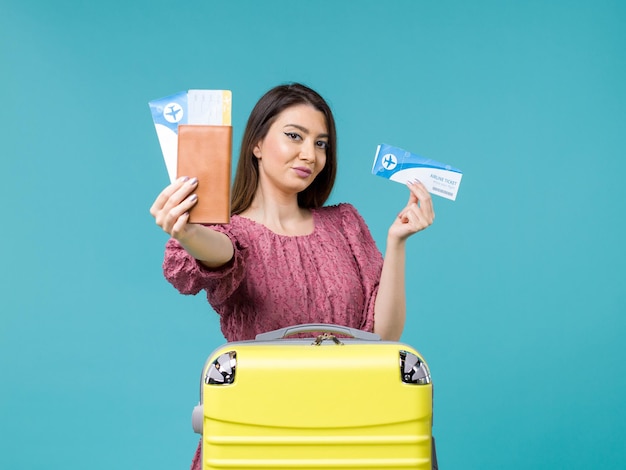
293, 152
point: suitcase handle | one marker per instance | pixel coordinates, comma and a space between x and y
317, 327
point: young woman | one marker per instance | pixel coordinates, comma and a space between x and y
285, 259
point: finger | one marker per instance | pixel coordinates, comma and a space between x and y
426, 206
412, 195
424, 198
173, 196
403, 213
417, 222
413, 219
165, 195
418, 189
180, 225
183, 191
172, 216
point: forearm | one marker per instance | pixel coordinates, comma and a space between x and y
390, 306
211, 248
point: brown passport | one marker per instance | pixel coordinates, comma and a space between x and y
205, 152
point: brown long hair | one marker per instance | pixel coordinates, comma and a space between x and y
261, 118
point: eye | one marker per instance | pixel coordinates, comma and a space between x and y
293, 135
322, 144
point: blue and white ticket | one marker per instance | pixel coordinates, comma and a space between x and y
399, 165
208, 107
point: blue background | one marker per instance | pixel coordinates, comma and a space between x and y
516, 293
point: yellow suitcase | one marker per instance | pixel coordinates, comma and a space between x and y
340, 399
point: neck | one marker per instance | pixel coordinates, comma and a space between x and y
280, 213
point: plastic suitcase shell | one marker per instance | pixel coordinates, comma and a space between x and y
322, 402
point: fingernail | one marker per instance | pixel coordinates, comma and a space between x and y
182, 179
193, 181
193, 197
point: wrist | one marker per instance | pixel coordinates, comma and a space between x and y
188, 235
395, 242
396, 237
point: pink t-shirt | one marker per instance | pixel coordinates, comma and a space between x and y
273, 281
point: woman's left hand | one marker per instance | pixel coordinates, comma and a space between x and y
416, 216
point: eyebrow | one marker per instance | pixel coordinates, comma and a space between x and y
304, 129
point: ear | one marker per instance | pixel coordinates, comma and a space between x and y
257, 149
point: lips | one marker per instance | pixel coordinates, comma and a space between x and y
302, 172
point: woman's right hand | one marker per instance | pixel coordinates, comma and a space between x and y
171, 208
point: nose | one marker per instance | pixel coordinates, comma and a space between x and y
307, 151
